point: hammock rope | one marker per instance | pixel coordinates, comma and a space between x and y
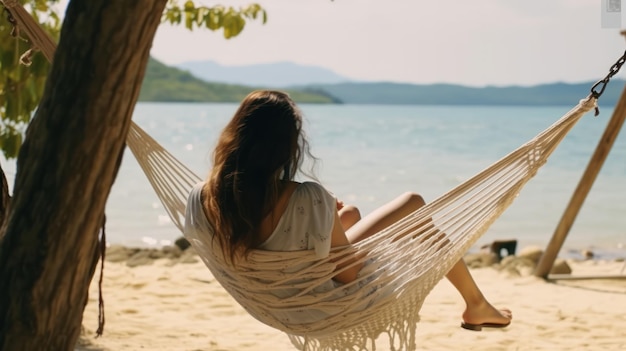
169, 177
405, 260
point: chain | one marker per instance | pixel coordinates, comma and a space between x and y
601, 84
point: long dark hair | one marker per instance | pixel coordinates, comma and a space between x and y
262, 145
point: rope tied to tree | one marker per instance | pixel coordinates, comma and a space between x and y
27, 58
102, 247
9, 4
15, 31
23, 22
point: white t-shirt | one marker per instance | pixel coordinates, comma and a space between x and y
306, 224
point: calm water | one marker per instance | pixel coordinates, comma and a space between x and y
370, 154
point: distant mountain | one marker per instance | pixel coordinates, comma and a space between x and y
164, 83
450, 94
276, 75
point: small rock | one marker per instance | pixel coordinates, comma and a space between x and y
587, 254
480, 260
511, 272
506, 260
156, 254
526, 271
524, 266
171, 252
532, 253
117, 253
188, 259
182, 243
140, 258
561, 267
189, 256
502, 248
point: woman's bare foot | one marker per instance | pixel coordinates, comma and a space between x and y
484, 314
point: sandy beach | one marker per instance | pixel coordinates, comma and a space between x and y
175, 304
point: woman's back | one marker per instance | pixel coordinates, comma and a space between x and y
305, 224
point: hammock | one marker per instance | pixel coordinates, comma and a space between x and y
389, 292
388, 295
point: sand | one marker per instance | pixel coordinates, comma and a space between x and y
165, 304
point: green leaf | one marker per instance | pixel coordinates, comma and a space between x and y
55, 22
238, 25
173, 15
200, 15
11, 107
41, 6
11, 143
7, 60
188, 21
214, 19
32, 89
168, 16
230, 20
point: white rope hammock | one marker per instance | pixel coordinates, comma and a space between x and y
389, 292
389, 295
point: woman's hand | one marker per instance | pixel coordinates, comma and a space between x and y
339, 204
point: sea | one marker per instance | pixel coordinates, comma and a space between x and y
369, 154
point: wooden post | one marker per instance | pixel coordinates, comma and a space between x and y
593, 168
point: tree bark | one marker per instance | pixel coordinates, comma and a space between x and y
5, 201
65, 170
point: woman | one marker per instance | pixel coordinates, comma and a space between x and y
251, 201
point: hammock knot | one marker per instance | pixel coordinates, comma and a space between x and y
15, 31
26, 58
591, 102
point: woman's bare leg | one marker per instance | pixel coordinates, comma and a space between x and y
385, 216
349, 216
478, 310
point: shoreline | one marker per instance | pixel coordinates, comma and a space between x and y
118, 252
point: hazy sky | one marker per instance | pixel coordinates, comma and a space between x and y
474, 42
478, 42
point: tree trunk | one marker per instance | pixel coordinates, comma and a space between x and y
65, 170
5, 200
